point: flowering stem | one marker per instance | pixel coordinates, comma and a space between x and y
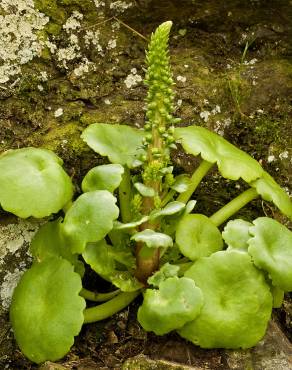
125, 196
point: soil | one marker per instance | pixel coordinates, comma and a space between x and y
253, 92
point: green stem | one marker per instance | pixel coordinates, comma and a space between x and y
234, 206
183, 267
195, 180
98, 297
125, 196
168, 197
105, 310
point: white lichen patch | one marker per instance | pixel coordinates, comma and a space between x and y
284, 155
120, 6
132, 79
43, 76
91, 38
58, 112
271, 158
220, 126
73, 22
84, 67
8, 285
14, 238
69, 53
98, 3
112, 44
181, 79
250, 62
19, 42
205, 115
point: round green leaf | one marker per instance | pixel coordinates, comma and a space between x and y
177, 301
121, 144
236, 234
269, 190
197, 236
153, 239
125, 281
238, 302
165, 272
89, 219
105, 177
170, 209
98, 255
33, 183
232, 162
102, 259
271, 250
48, 242
47, 311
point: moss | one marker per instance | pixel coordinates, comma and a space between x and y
144, 363
65, 135
53, 28
50, 8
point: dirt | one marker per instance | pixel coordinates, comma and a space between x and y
253, 91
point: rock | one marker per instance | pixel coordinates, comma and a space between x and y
142, 362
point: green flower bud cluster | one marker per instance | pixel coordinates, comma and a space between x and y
159, 126
159, 81
160, 95
169, 179
153, 171
157, 201
136, 205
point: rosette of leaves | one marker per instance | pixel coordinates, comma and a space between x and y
133, 225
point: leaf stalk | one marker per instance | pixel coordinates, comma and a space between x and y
195, 180
233, 206
98, 297
105, 310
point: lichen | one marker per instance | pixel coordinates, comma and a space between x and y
14, 240
19, 42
